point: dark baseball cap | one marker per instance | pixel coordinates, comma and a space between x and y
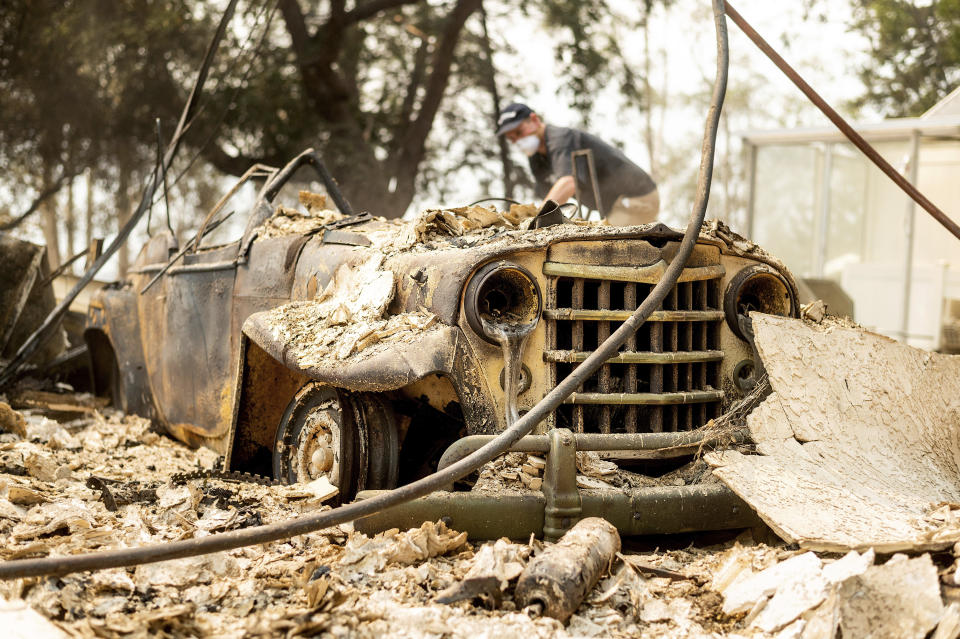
511, 116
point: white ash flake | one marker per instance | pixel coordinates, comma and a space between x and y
311, 340
858, 440
287, 221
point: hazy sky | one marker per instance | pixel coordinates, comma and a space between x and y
825, 53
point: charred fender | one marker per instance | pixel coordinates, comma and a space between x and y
271, 373
393, 362
112, 335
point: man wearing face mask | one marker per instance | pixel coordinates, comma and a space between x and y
627, 193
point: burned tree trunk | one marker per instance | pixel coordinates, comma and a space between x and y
49, 221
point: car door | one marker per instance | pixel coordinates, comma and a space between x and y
188, 343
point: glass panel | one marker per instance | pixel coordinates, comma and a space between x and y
886, 207
848, 197
785, 203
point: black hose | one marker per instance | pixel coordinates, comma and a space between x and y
349, 512
493, 199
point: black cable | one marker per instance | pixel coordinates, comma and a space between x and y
493, 199
506, 439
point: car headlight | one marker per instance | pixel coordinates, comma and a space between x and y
502, 295
757, 288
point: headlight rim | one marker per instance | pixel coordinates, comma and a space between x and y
480, 277
738, 283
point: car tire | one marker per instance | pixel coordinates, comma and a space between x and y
383, 444
350, 437
318, 435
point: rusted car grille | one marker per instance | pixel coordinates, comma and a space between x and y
665, 378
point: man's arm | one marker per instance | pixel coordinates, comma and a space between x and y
562, 190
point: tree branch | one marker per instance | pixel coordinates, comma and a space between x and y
42, 197
416, 79
337, 11
297, 28
229, 164
414, 139
372, 7
328, 92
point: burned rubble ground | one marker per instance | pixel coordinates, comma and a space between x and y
77, 477
335, 582
872, 533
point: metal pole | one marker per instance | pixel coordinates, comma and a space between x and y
910, 224
824, 223
941, 305
752, 195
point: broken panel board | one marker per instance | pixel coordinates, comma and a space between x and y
859, 440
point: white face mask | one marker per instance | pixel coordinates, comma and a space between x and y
528, 144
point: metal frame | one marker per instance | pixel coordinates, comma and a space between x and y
560, 504
594, 183
910, 224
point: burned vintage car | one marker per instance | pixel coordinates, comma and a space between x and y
328, 343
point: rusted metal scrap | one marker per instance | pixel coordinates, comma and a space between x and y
557, 579
26, 298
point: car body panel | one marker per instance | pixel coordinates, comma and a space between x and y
200, 352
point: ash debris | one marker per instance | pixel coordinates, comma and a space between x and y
339, 583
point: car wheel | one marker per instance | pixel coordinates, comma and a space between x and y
319, 436
351, 438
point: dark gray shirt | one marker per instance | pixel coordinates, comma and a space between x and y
616, 174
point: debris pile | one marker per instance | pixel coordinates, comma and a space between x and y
520, 472
867, 470
871, 462
349, 312
457, 222
103, 480
287, 221
806, 597
479, 222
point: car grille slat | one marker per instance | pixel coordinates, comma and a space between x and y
665, 377
673, 343
656, 376
630, 376
577, 303
637, 357
603, 332
621, 316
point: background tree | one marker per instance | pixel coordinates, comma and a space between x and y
80, 84
915, 53
366, 82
